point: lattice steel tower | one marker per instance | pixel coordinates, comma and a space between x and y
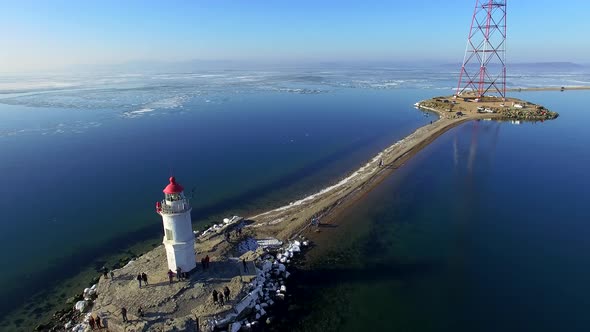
484, 65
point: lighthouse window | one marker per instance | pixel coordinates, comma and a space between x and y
169, 235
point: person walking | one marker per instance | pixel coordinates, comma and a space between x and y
144, 278
207, 261
139, 279
105, 272
215, 296
170, 276
98, 323
220, 298
112, 275
91, 322
179, 273
124, 314
245, 265
203, 263
226, 293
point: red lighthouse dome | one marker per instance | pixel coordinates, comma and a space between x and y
173, 187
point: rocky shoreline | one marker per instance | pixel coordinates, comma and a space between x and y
511, 108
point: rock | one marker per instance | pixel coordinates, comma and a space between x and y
226, 321
266, 266
80, 306
235, 327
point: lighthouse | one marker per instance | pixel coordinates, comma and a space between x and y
179, 239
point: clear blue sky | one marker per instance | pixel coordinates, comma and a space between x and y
51, 34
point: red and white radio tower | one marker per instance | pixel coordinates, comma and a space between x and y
484, 65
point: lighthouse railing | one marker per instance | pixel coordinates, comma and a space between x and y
185, 206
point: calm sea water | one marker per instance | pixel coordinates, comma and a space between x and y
485, 230
83, 160
80, 183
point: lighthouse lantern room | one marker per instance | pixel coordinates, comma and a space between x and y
179, 239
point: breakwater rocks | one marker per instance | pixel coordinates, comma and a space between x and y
267, 288
536, 114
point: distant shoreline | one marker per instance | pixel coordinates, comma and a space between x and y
551, 88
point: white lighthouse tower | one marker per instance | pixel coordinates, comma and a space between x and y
179, 239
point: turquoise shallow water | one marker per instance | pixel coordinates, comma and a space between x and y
484, 230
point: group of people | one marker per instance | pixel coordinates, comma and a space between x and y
205, 262
219, 297
179, 275
124, 314
95, 322
222, 296
142, 277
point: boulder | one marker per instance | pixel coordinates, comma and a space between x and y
235, 327
80, 306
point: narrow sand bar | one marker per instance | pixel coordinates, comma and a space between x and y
288, 221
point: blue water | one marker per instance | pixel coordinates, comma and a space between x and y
484, 230
81, 182
83, 165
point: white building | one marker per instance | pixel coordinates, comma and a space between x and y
179, 239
